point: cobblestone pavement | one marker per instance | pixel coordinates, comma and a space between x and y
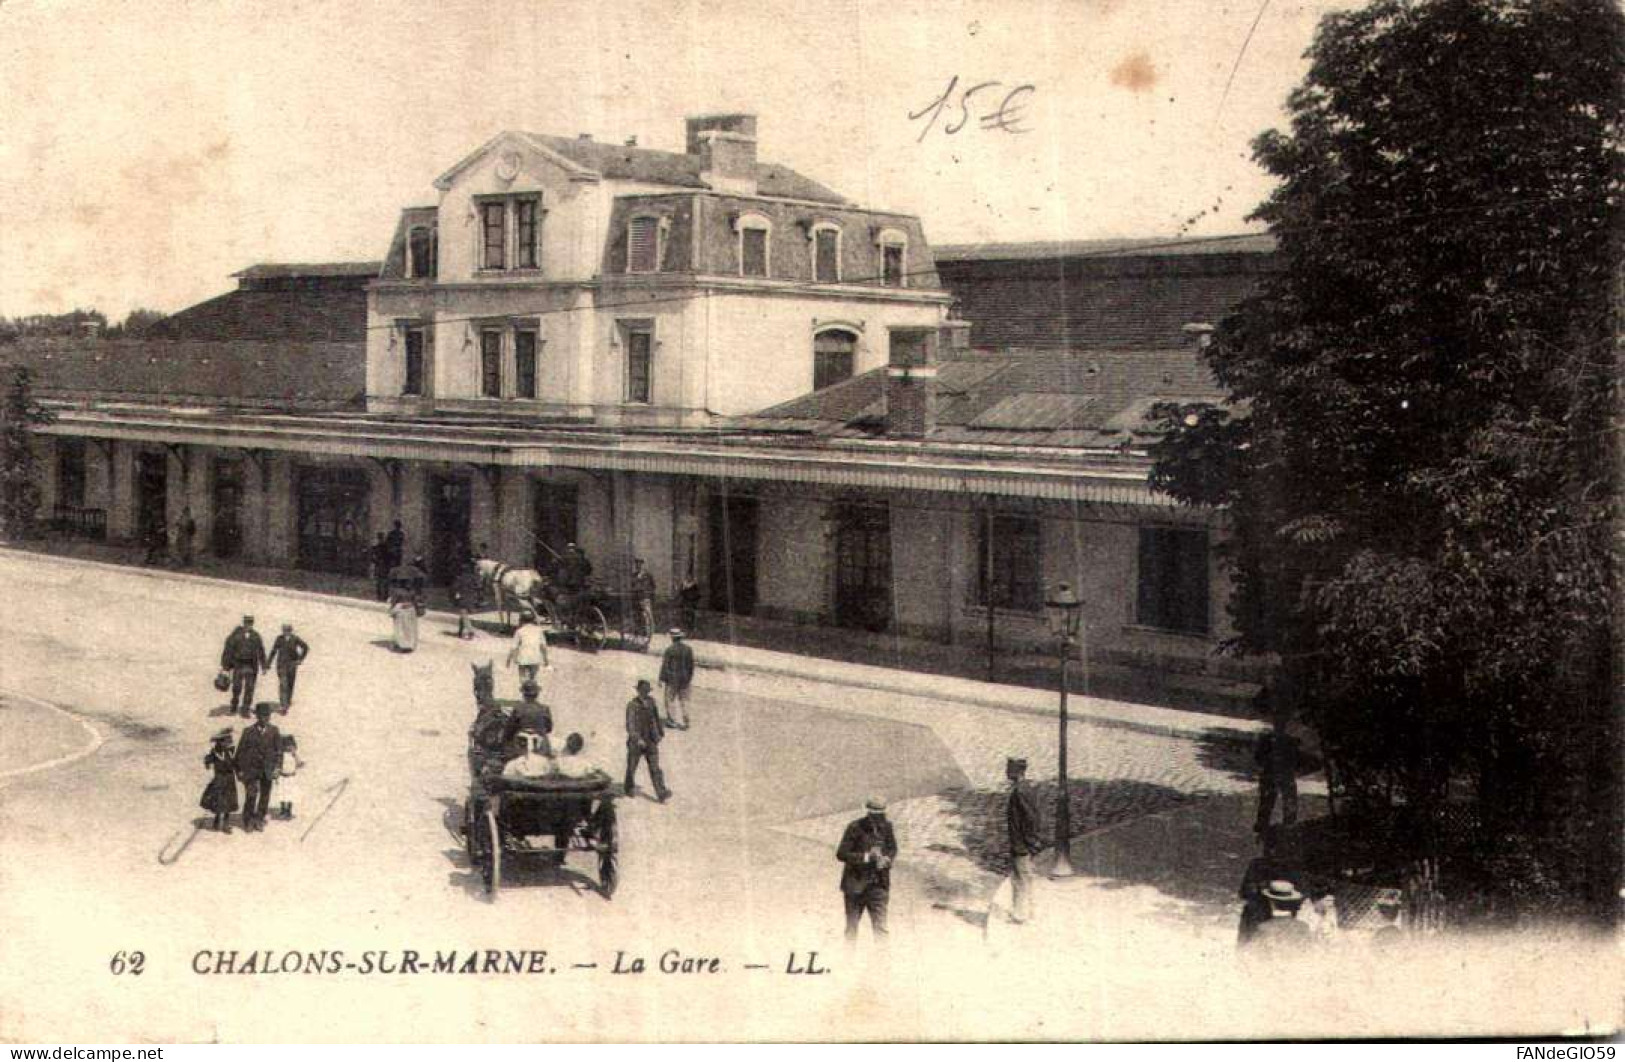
954, 840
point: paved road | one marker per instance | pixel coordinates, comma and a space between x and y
104, 854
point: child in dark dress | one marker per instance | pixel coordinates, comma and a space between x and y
221, 795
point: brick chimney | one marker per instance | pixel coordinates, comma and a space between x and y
911, 383
726, 147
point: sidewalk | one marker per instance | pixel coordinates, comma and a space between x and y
729, 655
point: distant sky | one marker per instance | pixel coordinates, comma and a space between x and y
150, 149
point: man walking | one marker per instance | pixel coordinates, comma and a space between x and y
259, 757
185, 536
643, 595
395, 546
643, 734
676, 675
287, 653
244, 657
868, 848
529, 650
381, 567
1276, 758
1021, 822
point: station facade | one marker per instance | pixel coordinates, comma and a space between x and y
695, 358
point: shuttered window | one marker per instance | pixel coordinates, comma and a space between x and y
413, 384
491, 364
494, 226
526, 230
643, 245
524, 364
421, 253
833, 356
753, 252
826, 255
639, 366
891, 265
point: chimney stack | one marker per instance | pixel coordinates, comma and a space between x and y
726, 147
911, 383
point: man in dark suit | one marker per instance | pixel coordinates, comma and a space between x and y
530, 716
1021, 823
244, 657
643, 734
287, 653
259, 757
868, 848
676, 675
1276, 757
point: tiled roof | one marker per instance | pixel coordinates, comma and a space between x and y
669, 167
281, 374
1241, 243
300, 314
309, 269
1060, 398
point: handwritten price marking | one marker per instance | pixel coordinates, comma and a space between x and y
1007, 117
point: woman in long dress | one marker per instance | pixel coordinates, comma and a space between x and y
403, 609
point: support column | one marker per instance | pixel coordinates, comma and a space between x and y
281, 514
121, 514
45, 454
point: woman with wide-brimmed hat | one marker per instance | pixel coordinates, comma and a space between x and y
220, 796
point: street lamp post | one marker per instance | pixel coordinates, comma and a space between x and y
1065, 616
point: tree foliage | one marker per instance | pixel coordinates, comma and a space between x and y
1420, 457
19, 464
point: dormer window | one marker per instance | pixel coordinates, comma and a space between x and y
893, 245
510, 232
754, 230
420, 252
646, 243
826, 248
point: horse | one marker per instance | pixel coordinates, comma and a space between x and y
485, 683
521, 585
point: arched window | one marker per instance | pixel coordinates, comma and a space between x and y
754, 232
834, 354
420, 252
893, 247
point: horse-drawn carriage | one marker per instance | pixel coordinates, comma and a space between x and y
506, 819
586, 615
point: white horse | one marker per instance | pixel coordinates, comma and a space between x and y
520, 585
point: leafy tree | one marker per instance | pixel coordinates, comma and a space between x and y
135, 325
1420, 456
19, 464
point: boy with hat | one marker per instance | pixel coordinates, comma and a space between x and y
867, 849
1021, 823
287, 653
676, 675
259, 760
220, 796
643, 734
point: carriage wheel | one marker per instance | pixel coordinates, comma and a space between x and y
594, 629
609, 872
493, 862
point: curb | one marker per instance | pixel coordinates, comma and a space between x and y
909, 687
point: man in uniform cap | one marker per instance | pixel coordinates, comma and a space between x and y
531, 716
244, 657
1021, 822
643, 734
259, 758
867, 850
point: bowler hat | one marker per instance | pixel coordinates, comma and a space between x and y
248, 621
1015, 762
529, 689
223, 734
263, 709
643, 686
875, 804
287, 628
